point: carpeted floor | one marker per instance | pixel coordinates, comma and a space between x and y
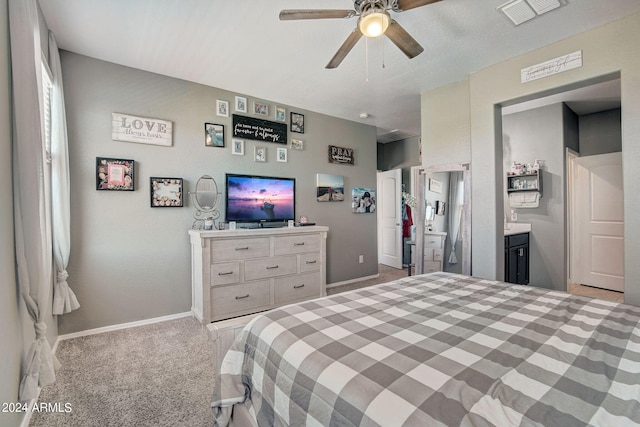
155, 375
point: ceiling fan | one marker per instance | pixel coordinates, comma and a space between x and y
373, 20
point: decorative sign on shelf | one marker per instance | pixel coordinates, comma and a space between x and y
341, 155
259, 129
143, 130
554, 66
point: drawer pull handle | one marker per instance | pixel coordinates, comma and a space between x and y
432, 241
272, 267
312, 262
298, 244
226, 273
246, 248
298, 286
243, 296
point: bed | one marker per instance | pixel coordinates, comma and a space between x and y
438, 349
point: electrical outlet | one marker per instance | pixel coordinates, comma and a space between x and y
361, 259
514, 216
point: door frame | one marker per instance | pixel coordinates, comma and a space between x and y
418, 185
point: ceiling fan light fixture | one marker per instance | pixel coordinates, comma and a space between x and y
374, 23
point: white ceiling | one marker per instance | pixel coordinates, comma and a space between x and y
242, 46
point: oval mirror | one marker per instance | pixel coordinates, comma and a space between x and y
206, 193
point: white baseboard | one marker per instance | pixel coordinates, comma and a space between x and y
346, 282
120, 326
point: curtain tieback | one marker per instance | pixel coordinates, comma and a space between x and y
41, 330
63, 276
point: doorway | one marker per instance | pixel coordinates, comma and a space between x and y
583, 108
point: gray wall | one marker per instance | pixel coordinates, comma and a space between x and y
527, 136
129, 261
600, 133
488, 89
402, 154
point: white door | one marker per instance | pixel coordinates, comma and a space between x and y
389, 210
599, 221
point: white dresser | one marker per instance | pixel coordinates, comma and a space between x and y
238, 272
433, 250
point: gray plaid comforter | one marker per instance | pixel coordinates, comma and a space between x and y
438, 350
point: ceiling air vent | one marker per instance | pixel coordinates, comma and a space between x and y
519, 11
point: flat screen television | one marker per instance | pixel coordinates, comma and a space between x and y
259, 199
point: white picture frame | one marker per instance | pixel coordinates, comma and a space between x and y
222, 108
260, 109
297, 144
282, 155
237, 147
260, 154
241, 104
435, 185
281, 114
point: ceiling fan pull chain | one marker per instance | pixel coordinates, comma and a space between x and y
383, 66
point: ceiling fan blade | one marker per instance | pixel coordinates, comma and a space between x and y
344, 50
412, 4
407, 44
293, 14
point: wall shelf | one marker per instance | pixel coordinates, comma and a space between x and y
524, 183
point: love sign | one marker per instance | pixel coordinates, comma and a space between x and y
143, 130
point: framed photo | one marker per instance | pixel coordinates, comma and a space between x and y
281, 114
297, 144
260, 154
222, 108
237, 147
282, 154
260, 108
297, 122
114, 174
166, 192
435, 185
241, 104
363, 200
329, 188
440, 207
214, 135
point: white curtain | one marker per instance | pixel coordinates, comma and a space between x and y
64, 300
32, 234
456, 200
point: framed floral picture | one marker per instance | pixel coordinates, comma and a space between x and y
297, 122
260, 154
237, 147
222, 108
213, 135
114, 174
165, 192
241, 104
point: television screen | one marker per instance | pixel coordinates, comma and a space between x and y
252, 198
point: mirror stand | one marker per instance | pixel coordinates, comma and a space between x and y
205, 199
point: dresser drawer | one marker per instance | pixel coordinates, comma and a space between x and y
233, 249
431, 266
227, 300
270, 267
296, 244
434, 242
294, 288
225, 272
310, 262
437, 254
